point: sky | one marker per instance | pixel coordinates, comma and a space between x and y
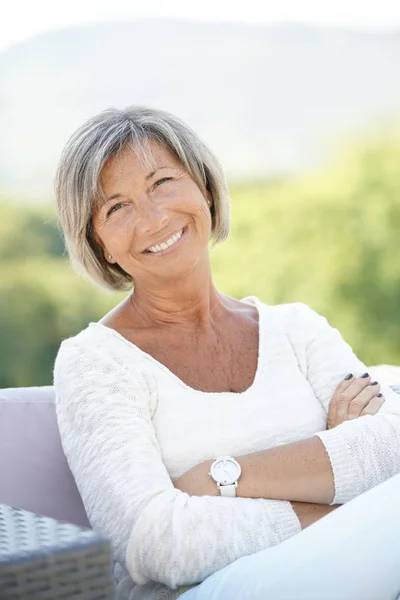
22, 19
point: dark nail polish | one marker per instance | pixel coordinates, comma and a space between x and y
349, 376
374, 383
364, 376
379, 395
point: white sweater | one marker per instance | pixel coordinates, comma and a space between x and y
130, 427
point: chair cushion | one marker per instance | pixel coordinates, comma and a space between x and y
34, 473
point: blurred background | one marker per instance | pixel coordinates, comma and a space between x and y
301, 103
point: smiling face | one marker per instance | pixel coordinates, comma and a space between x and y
156, 222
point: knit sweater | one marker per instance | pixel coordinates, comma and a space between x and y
130, 427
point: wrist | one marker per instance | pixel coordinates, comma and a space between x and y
196, 481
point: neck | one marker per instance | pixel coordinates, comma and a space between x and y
191, 301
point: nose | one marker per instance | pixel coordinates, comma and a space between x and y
150, 217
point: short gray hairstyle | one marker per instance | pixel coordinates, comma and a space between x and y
77, 184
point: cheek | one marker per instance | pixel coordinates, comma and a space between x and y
119, 229
206, 213
199, 205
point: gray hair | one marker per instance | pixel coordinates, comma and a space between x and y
77, 184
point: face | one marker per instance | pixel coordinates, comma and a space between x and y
156, 222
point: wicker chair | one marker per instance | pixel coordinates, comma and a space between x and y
45, 559
47, 548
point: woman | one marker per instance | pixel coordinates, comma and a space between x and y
179, 375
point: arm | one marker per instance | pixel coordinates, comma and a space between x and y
363, 452
333, 466
104, 410
299, 471
309, 513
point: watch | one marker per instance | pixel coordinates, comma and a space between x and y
226, 471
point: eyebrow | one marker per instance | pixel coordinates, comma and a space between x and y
149, 176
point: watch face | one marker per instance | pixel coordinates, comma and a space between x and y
225, 471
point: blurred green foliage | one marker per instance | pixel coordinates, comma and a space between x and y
330, 239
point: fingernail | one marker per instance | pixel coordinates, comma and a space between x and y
349, 376
364, 376
374, 383
379, 395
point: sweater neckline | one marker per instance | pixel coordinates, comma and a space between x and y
253, 300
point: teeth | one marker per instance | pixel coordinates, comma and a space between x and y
167, 244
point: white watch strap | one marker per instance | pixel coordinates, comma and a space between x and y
228, 490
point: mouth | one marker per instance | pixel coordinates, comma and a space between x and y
167, 245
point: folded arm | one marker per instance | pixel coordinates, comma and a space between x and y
299, 471
158, 533
332, 466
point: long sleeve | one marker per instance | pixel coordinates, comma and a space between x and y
104, 408
363, 452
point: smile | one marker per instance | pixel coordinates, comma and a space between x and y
167, 244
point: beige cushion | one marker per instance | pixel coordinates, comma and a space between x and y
34, 473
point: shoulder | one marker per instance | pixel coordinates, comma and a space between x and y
97, 338
292, 317
302, 326
97, 349
99, 363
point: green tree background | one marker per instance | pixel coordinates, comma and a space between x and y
330, 239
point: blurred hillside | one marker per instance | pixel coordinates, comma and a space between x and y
268, 99
330, 240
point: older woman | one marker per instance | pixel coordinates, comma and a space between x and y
199, 428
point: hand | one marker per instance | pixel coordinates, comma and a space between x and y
354, 397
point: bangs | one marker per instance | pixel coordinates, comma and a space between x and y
142, 150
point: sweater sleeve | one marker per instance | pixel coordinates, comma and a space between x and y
363, 452
158, 533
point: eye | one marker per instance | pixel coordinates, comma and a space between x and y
114, 208
157, 183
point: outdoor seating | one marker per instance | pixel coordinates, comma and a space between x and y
44, 559
34, 473
53, 548
47, 548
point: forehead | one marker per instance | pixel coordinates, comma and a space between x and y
134, 164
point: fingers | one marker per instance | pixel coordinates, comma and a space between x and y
348, 393
345, 383
357, 385
373, 406
362, 400
354, 397
339, 403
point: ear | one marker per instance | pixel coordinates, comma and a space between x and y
209, 198
106, 252
108, 256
